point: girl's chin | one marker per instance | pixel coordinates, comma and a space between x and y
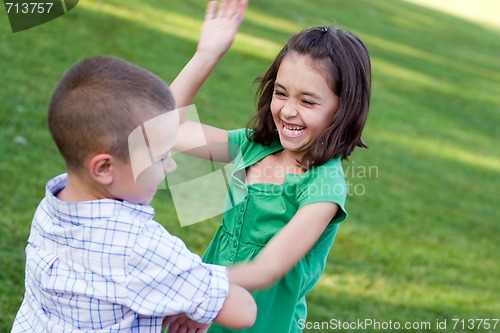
292, 140
293, 147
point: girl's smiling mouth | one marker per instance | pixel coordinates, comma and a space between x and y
291, 130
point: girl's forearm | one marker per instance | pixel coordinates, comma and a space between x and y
239, 310
286, 248
253, 275
191, 78
217, 34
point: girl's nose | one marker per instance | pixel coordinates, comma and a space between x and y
289, 110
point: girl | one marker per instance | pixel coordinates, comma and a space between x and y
287, 185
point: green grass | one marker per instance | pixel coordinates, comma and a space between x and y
421, 242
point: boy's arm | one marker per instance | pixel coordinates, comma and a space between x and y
217, 35
286, 248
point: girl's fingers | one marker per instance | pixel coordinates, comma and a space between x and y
242, 9
232, 8
210, 13
226, 10
221, 12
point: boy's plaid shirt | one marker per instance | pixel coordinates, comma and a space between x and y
106, 266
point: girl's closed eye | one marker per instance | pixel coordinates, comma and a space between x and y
279, 94
309, 103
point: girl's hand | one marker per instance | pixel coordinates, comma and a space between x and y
220, 26
181, 323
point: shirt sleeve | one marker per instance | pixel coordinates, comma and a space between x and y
165, 278
326, 183
236, 139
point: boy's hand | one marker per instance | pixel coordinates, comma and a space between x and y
221, 25
180, 323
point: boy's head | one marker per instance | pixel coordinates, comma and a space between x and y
98, 103
96, 106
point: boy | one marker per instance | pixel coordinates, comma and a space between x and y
96, 260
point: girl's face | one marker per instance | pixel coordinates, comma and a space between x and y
303, 103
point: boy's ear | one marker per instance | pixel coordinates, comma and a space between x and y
100, 168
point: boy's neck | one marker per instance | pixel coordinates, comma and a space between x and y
79, 190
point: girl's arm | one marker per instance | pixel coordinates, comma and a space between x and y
217, 35
238, 312
286, 248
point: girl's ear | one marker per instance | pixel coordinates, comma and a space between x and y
100, 168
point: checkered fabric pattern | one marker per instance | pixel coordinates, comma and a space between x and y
107, 266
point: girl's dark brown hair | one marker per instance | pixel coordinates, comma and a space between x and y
345, 60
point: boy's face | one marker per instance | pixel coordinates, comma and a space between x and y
150, 160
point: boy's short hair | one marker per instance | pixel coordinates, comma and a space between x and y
98, 103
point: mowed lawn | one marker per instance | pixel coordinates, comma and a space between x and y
421, 244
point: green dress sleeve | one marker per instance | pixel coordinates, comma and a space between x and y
325, 183
236, 142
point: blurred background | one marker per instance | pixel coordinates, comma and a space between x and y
421, 243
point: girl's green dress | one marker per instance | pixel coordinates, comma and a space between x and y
254, 213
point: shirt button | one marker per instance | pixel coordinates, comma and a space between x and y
235, 244
237, 233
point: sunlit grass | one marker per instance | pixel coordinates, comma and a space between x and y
484, 12
406, 292
188, 28
436, 149
429, 57
164, 21
272, 22
420, 78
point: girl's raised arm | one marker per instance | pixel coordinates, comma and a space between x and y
222, 21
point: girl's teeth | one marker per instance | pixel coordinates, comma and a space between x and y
293, 130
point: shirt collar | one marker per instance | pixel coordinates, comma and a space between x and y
80, 212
